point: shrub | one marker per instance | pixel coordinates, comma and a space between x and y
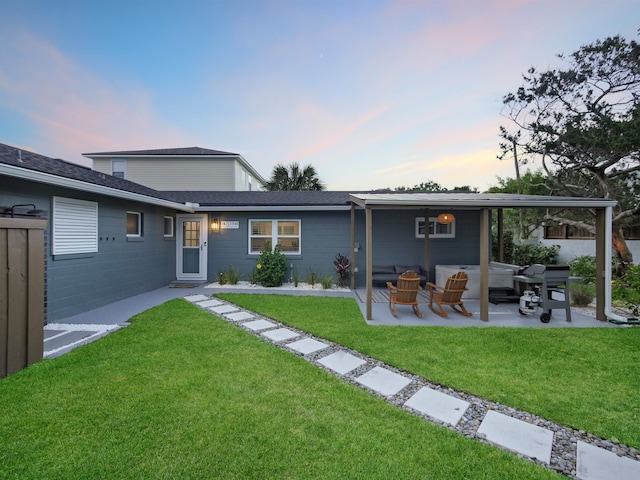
507, 246
232, 276
530, 253
584, 266
296, 278
626, 290
312, 278
271, 267
343, 266
222, 278
326, 281
582, 294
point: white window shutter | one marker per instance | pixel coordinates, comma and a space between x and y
75, 226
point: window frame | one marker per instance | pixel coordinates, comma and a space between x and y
420, 225
139, 233
173, 226
274, 236
116, 173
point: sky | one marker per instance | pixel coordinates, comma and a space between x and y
372, 93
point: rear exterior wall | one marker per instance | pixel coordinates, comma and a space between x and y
119, 269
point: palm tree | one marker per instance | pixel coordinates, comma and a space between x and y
293, 178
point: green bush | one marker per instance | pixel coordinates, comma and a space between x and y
507, 246
231, 276
326, 281
530, 253
582, 294
584, 267
271, 267
626, 290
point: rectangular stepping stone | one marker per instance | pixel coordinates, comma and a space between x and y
258, 325
224, 309
240, 316
595, 463
383, 381
280, 334
438, 405
307, 346
196, 298
516, 435
341, 362
210, 303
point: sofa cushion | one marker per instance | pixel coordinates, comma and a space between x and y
404, 268
385, 269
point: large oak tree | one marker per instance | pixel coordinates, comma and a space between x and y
582, 122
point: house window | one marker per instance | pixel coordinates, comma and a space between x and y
75, 226
118, 168
168, 226
134, 224
285, 233
435, 228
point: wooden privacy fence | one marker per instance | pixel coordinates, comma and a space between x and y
21, 292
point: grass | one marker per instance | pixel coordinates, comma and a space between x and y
583, 378
183, 394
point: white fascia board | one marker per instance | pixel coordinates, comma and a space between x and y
58, 181
484, 203
273, 208
252, 170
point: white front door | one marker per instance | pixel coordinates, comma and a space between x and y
191, 261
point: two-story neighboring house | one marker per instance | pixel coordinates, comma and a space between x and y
190, 168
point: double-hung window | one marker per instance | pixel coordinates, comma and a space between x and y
118, 168
285, 233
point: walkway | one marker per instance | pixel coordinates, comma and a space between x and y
573, 453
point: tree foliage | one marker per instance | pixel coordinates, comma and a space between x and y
294, 178
523, 222
582, 122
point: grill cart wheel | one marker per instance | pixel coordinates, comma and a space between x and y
545, 317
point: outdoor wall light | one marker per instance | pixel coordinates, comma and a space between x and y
215, 225
446, 218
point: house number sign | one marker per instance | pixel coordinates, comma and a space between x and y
229, 225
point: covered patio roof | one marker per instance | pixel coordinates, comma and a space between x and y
485, 202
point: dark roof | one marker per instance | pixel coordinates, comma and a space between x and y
184, 151
259, 198
54, 166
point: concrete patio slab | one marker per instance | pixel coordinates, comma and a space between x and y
595, 463
307, 346
438, 405
280, 334
516, 435
240, 316
258, 325
341, 362
383, 381
222, 309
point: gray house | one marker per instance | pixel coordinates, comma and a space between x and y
109, 238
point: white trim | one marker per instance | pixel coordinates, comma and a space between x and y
138, 234
273, 238
273, 208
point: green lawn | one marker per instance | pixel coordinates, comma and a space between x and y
183, 394
588, 379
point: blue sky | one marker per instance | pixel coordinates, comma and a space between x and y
372, 93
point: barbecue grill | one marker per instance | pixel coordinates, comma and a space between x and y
549, 279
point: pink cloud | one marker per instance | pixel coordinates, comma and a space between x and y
74, 109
